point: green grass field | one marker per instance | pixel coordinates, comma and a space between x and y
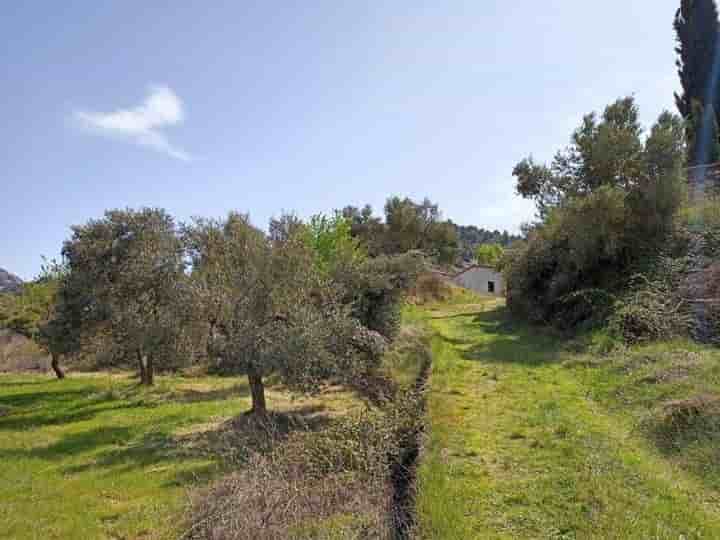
530, 436
96, 456
529, 439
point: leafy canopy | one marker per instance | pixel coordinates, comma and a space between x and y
606, 204
489, 254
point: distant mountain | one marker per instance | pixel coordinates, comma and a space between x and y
9, 282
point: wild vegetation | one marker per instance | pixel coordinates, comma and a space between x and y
302, 310
606, 205
317, 380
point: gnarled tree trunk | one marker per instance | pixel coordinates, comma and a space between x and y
257, 391
55, 365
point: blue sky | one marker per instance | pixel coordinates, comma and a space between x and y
204, 107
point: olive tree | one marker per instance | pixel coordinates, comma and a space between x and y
129, 267
271, 308
34, 313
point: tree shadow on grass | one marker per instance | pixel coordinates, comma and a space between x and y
504, 340
38, 409
72, 444
48, 398
192, 395
12, 384
198, 454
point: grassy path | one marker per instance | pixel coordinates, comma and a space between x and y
524, 444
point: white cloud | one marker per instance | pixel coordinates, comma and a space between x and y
142, 124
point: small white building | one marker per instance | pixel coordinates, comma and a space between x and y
481, 279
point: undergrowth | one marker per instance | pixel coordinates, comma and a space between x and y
338, 482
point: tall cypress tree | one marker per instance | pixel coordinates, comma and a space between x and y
696, 26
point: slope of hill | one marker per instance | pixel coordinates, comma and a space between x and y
9, 282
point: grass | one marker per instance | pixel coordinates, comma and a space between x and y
96, 456
530, 439
530, 436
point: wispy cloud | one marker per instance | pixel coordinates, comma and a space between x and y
142, 124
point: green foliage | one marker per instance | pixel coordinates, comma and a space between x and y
408, 226
332, 240
126, 272
470, 237
431, 287
604, 152
331, 483
379, 288
579, 247
418, 226
28, 310
489, 254
608, 204
366, 227
270, 301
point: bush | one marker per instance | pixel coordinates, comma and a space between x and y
607, 203
654, 308
430, 288
379, 288
334, 483
581, 247
340, 482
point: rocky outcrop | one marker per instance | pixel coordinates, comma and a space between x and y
9, 283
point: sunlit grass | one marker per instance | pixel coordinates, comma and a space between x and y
529, 440
96, 456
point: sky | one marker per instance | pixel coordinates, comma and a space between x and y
268, 106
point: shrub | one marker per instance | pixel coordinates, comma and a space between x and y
330, 484
379, 288
607, 203
654, 308
581, 247
430, 288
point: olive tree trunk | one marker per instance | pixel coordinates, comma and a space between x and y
149, 371
257, 391
55, 365
145, 365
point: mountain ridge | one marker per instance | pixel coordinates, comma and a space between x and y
9, 282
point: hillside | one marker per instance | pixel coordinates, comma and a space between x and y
9, 282
532, 439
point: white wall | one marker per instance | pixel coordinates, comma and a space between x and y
477, 279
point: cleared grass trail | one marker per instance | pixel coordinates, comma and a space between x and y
527, 442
